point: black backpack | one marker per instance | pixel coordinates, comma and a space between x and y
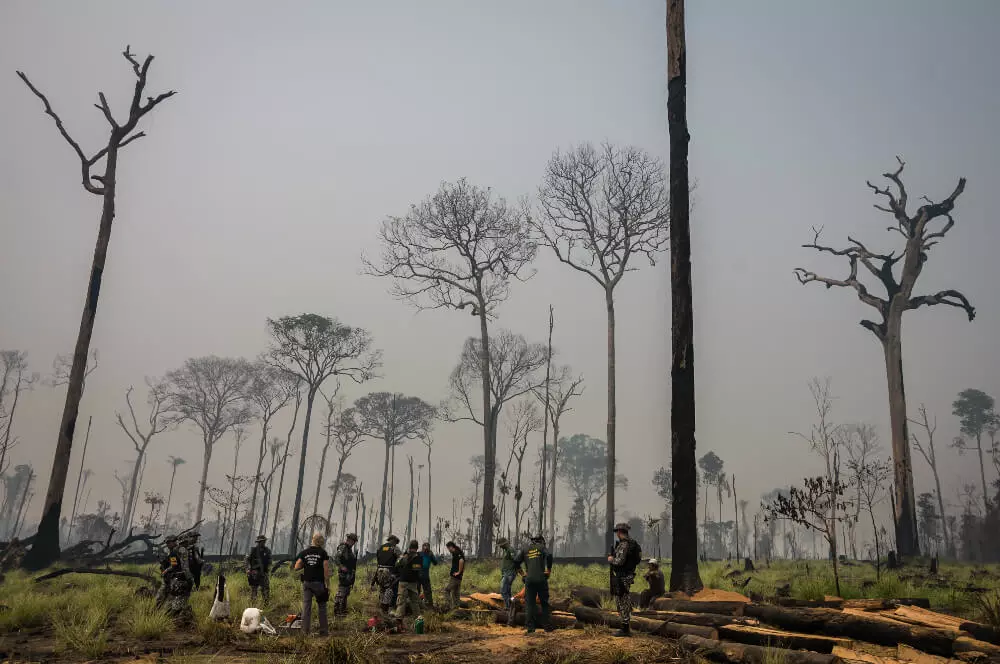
634, 556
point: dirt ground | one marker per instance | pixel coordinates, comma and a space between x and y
460, 643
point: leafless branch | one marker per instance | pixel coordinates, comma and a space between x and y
952, 298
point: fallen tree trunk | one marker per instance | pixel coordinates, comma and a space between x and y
981, 632
739, 653
773, 638
694, 606
807, 603
585, 614
704, 619
559, 619
882, 631
965, 644
106, 572
883, 604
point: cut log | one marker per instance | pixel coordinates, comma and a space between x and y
981, 632
966, 644
739, 653
559, 620
774, 638
585, 614
808, 603
909, 654
695, 606
704, 619
882, 604
849, 655
491, 600
917, 616
882, 631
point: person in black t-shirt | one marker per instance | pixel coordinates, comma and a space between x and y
453, 591
314, 562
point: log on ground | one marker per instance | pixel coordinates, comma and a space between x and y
683, 618
775, 638
967, 644
807, 603
852, 656
740, 653
559, 619
881, 631
981, 632
882, 604
107, 572
585, 614
695, 606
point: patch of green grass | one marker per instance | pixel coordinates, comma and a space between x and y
82, 632
988, 605
355, 648
146, 622
27, 610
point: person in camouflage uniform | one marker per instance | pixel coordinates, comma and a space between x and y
258, 566
408, 570
385, 573
177, 582
624, 560
196, 556
508, 571
346, 562
537, 563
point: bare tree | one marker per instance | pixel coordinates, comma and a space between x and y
825, 439
393, 419
525, 420
284, 459
269, 391
63, 365
459, 249
860, 441
563, 386
928, 453
332, 408
514, 367
141, 436
600, 210
350, 486
14, 379
545, 399
871, 476
347, 432
277, 449
155, 502
209, 392
315, 348
918, 238
409, 513
428, 442
174, 462
45, 549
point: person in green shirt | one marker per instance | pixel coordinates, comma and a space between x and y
537, 563
508, 570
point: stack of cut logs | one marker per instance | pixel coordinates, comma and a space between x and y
728, 627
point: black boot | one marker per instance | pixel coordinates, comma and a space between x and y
626, 630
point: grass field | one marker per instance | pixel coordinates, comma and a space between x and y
86, 617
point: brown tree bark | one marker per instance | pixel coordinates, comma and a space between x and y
542, 489
684, 573
485, 541
45, 549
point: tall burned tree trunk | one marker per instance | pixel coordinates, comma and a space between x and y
684, 573
409, 515
552, 487
905, 513
430, 526
76, 494
45, 549
297, 507
485, 540
385, 487
609, 530
545, 435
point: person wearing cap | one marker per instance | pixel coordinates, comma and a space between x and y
259, 570
624, 559
537, 563
314, 562
657, 584
426, 593
408, 569
385, 573
508, 570
346, 562
453, 591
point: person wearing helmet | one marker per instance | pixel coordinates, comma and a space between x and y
537, 563
385, 573
657, 584
624, 559
258, 566
165, 564
346, 562
508, 570
177, 581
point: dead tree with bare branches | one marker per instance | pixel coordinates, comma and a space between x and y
601, 210
14, 379
525, 420
460, 249
347, 431
929, 425
918, 238
141, 436
63, 365
45, 549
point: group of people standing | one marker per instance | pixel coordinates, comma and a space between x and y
402, 578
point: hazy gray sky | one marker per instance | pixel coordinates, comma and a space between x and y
299, 126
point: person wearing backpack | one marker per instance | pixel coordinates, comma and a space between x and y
624, 560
